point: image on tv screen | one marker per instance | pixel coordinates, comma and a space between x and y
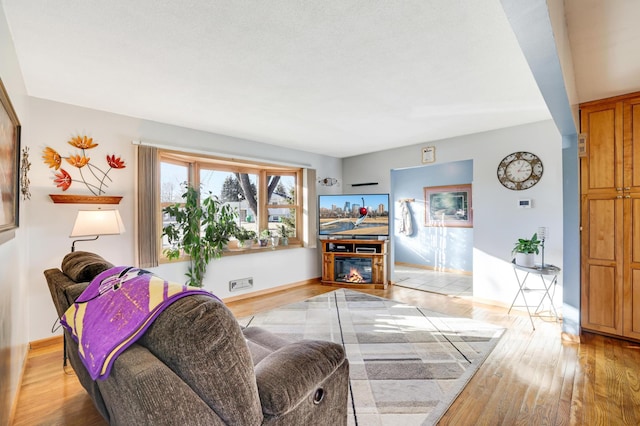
354, 214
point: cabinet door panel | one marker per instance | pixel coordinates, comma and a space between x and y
631, 327
327, 267
601, 219
601, 299
602, 259
633, 229
603, 166
632, 144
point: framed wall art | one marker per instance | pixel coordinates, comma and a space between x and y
9, 163
448, 206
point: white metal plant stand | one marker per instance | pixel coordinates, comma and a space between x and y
549, 277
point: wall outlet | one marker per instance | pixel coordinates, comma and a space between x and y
240, 284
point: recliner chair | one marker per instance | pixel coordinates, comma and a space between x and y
196, 366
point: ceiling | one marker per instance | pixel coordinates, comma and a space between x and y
605, 45
335, 77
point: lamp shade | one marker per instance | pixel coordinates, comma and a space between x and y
97, 222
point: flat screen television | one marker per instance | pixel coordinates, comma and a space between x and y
354, 215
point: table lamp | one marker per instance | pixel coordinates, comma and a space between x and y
543, 232
96, 222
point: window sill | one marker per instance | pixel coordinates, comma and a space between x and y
237, 251
257, 249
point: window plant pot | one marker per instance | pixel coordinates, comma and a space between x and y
245, 244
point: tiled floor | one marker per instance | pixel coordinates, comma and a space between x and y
448, 283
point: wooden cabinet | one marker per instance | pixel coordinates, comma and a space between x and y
610, 216
355, 263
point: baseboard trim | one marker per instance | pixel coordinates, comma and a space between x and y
431, 268
270, 290
43, 343
570, 338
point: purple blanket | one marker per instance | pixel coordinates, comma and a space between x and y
115, 310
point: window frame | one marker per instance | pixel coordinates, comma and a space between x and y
198, 162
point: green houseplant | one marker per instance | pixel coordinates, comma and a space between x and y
245, 237
525, 249
201, 230
284, 235
264, 237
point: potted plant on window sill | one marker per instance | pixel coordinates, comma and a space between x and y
264, 237
200, 230
245, 237
284, 235
525, 251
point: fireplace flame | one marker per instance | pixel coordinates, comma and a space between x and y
354, 276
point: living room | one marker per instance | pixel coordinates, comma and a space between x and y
42, 239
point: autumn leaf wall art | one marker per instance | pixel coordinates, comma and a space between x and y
80, 167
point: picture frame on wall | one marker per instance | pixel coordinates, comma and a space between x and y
448, 206
9, 163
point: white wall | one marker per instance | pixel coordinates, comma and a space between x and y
497, 220
14, 319
50, 224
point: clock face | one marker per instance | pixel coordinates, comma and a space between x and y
520, 170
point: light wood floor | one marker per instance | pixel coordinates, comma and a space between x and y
530, 378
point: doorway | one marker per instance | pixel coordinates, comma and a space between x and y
431, 258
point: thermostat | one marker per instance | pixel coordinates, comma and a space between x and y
524, 204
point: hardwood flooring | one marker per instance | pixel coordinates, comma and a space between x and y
530, 378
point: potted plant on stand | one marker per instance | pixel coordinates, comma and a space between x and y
525, 251
201, 231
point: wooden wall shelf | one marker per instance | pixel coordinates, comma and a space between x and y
84, 199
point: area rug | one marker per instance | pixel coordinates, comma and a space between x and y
407, 364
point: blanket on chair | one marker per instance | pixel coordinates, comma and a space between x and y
115, 310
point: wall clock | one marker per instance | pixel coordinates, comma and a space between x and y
520, 170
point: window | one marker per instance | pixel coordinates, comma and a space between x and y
264, 196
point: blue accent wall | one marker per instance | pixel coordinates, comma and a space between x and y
571, 229
442, 248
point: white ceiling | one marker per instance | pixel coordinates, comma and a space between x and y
336, 77
605, 43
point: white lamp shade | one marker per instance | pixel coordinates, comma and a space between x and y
543, 233
97, 222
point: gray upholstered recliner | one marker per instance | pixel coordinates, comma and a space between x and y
196, 366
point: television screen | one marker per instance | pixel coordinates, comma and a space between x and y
354, 214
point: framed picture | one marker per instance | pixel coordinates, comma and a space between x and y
428, 154
448, 206
9, 163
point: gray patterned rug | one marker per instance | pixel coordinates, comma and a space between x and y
407, 364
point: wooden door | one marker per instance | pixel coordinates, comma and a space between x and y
602, 266
631, 188
602, 218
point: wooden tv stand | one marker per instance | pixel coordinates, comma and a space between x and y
371, 255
